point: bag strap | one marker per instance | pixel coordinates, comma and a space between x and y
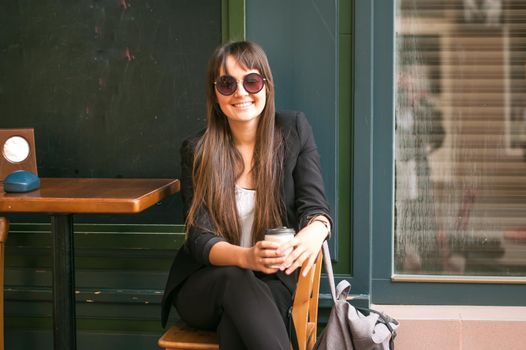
341, 291
328, 269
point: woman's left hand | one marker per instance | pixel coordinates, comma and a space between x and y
305, 246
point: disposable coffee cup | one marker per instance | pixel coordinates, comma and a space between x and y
280, 235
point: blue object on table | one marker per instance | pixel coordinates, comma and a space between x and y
21, 181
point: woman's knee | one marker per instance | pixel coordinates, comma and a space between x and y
234, 275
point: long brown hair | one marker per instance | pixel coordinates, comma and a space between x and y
218, 164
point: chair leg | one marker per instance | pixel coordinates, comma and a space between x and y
4, 228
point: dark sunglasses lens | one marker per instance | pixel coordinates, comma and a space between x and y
226, 85
253, 83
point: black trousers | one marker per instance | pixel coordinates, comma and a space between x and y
249, 310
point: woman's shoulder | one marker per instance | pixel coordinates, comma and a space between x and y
289, 118
293, 122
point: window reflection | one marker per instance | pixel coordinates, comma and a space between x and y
460, 138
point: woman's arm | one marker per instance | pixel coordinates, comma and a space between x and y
306, 245
309, 191
312, 208
258, 257
200, 237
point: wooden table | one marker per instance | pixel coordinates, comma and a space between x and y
61, 198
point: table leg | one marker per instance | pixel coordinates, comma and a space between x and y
64, 325
4, 229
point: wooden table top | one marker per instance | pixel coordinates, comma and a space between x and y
74, 196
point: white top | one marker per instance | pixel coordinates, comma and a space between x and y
246, 202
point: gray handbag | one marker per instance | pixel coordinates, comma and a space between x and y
352, 328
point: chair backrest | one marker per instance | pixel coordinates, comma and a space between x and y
305, 305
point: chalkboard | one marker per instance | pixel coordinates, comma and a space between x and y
111, 87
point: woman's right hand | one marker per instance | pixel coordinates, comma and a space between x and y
263, 256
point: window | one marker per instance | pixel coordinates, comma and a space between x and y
460, 139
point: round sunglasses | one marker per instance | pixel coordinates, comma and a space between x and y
252, 83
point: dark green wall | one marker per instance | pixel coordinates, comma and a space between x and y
111, 87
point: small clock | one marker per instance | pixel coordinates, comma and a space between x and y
17, 149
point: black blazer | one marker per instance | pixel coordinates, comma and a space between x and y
301, 189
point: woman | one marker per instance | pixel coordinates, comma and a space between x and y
249, 170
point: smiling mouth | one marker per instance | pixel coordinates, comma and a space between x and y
243, 104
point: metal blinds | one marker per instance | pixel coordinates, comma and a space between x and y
460, 139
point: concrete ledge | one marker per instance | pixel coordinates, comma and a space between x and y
448, 327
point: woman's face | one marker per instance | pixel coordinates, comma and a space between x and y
240, 107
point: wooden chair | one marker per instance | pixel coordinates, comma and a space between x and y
4, 228
304, 314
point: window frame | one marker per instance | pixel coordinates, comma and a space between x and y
233, 20
373, 175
